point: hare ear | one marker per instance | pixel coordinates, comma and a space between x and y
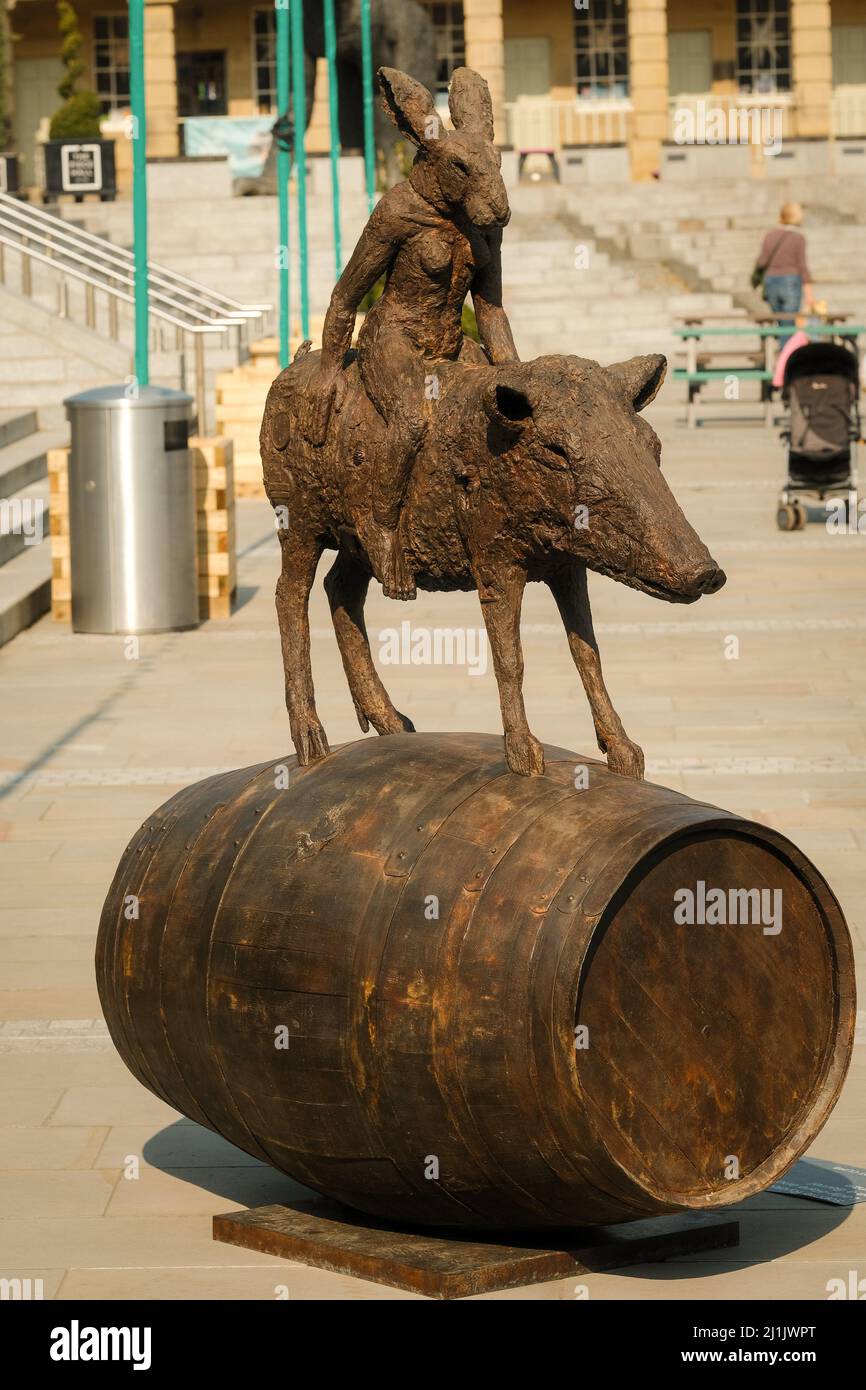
410, 107
470, 103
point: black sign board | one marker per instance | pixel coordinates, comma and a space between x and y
81, 168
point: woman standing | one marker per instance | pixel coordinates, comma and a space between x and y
787, 278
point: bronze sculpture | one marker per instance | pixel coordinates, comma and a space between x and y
500, 472
436, 992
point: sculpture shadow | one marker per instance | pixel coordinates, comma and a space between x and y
189, 1152
771, 1225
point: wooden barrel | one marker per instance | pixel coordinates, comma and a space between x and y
449, 995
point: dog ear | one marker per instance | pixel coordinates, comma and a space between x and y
507, 406
470, 103
410, 106
640, 377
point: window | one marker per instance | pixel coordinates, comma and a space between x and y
450, 40
601, 49
763, 46
111, 60
201, 84
265, 60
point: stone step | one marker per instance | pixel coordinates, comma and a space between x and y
24, 461
24, 519
15, 424
25, 589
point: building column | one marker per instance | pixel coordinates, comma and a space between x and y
160, 78
485, 51
812, 62
648, 84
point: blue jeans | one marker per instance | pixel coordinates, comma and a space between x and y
783, 294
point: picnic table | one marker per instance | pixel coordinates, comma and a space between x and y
746, 364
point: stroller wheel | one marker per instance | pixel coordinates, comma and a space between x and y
801, 516
786, 518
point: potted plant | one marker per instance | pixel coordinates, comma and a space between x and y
8, 159
77, 159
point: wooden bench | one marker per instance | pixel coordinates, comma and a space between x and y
759, 363
746, 364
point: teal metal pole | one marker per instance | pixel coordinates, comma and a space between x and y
284, 169
334, 114
367, 82
139, 189
299, 94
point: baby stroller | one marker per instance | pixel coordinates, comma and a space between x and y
821, 428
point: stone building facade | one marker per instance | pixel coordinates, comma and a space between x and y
593, 71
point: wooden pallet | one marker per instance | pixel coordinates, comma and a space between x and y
61, 575
215, 525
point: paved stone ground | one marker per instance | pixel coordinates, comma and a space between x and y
94, 741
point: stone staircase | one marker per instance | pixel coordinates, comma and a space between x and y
25, 560
44, 357
570, 287
710, 237
601, 272
607, 307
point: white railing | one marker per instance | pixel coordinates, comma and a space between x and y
545, 123
187, 310
848, 110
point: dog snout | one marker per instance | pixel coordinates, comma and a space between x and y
709, 579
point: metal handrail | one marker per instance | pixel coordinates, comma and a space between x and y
105, 250
199, 311
156, 295
211, 326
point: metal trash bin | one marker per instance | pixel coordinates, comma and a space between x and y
132, 518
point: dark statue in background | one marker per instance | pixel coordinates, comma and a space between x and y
402, 37
429, 461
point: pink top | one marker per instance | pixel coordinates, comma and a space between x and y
798, 340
